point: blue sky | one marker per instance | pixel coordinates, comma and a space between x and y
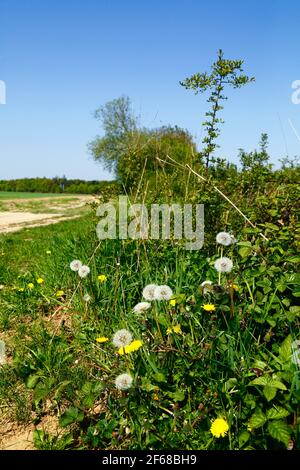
60, 60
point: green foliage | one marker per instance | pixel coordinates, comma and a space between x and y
224, 72
48, 186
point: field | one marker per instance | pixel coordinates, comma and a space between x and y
27, 195
19, 210
206, 366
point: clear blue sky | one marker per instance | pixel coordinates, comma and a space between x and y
62, 59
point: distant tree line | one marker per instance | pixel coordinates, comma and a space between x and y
58, 185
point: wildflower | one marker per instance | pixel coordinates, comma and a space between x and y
132, 347
177, 329
206, 287
75, 265
219, 427
224, 238
101, 339
122, 338
30, 285
83, 271
123, 381
223, 265
149, 292
230, 285
155, 397
59, 293
163, 293
40, 280
21, 289
48, 252
102, 278
172, 302
209, 307
141, 307
86, 298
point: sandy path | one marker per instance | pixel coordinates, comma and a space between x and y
14, 220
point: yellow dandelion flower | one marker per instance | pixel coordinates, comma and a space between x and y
59, 293
169, 330
219, 427
177, 329
209, 307
102, 339
132, 347
172, 302
48, 252
232, 286
30, 285
40, 280
21, 289
102, 278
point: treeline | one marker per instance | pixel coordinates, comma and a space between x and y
58, 185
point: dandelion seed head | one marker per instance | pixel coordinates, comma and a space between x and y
163, 293
224, 238
87, 298
83, 271
206, 287
223, 265
141, 307
149, 292
75, 265
123, 381
122, 338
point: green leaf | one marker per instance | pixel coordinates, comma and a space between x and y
269, 392
277, 412
244, 437
177, 396
71, 415
285, 350
245, 251
32, 381
280, 431
294, 259
257, 420
295, 309
263, 380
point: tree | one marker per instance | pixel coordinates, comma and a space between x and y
118, 123
256, 158
223, 72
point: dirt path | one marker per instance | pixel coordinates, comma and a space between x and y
14, 219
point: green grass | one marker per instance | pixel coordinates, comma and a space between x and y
20, 195
182, 381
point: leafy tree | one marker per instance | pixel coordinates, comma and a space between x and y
256, 158
224, 72
119, 124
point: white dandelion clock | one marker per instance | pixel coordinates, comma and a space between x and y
87, 298
224, 238
223, 265
2, 353
75, 264
206, 286
83, 271
122, 338
149, 292
123, 381
141, 307
163, 293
